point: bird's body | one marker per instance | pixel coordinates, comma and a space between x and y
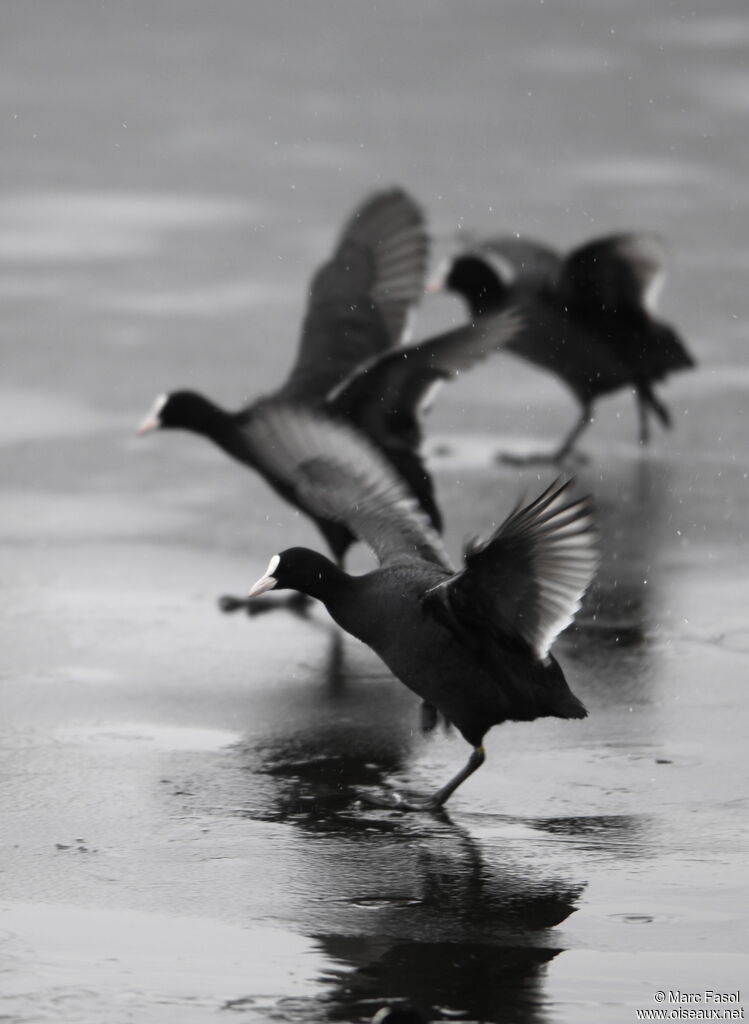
235, 433
388, 610
587, 317
472, 643
359, 302
350, 363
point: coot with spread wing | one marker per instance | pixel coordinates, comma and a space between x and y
350, 362
474, 643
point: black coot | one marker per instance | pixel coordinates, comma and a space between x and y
473, 643
358, 305
349, 361
588, 317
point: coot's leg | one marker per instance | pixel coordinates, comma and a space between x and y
397, 802
642, 412
436, 802
564, 449
586, 418
296, 602
647, 402
477, 758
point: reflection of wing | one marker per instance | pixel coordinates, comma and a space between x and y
384, 396
621, 273
359, 300
525, 582
338, 475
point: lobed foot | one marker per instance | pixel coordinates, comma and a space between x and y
541, 458
429, 806
298, 604
395, 801
230, 604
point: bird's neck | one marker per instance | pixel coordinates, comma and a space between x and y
219, 426
337, 590
483, 291
326, 582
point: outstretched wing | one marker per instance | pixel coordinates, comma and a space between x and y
360, 299
384, 397
525, 583
392, 228
616, 274
337, 474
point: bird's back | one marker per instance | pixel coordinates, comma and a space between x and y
649, 348
554, 341
386, 611
588, 317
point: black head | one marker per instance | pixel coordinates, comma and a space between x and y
476, 281
185, 410
298, 569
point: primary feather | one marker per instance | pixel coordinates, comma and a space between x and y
537, 564
337, 474
359, 300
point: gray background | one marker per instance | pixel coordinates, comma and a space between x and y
180, 828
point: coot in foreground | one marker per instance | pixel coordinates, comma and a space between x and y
588, 317
347, 362
473, 643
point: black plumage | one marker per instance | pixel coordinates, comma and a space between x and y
350, 362
589, 317
473, 643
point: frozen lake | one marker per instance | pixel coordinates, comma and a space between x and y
181, 832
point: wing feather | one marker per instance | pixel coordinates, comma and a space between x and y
391, 227
360, 299
526, 581
338, 475
619, 273
385, 396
